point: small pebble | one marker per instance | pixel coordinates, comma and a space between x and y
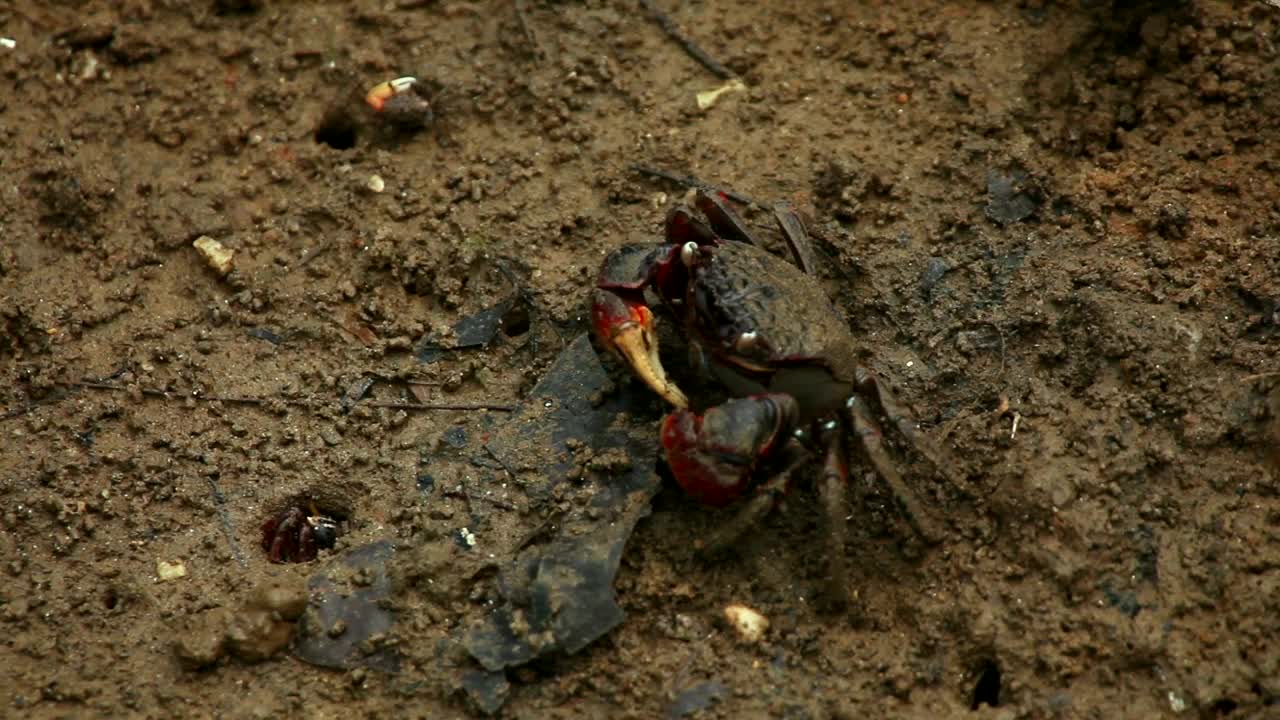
217, 255
170, 571
750, 624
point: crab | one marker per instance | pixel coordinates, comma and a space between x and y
293, 536
767, 332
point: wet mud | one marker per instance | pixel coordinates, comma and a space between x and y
229, 287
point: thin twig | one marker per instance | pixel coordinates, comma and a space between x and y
669, 27
245, 400
314, 253
527, 29
693, 182
501, 463
466, 495
1259, 376
31, 406
220, 502
440, 406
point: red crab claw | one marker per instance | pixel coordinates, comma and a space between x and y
382, 93
624, 324
713, 456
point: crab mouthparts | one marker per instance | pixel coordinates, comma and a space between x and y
636, 343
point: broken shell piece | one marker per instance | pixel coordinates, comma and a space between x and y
751, 625
215, 253
379, 94
170, 571
709, 97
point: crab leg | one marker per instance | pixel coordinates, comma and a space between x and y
792, 228
762, 501
725, 221
868, 432
831, 491
901, 419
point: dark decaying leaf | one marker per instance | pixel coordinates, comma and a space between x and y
558, 597
356, 608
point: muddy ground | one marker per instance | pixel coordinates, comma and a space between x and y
1053, 227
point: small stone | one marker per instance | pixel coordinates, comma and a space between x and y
750, 624
217, 255
933, 272
170, 571
375, 184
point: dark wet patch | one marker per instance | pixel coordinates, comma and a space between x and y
487, 691
265, 334
1010, 196
697, 698
473, 331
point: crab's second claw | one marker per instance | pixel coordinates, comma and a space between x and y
714, 456
624, 324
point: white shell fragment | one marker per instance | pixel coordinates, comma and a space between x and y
750, 625
215, 253
708, 98
170, 571
375, 184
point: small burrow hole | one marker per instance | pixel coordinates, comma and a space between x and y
337, 130
516, 321
987, 690
236, 7
110, 599
1224, 707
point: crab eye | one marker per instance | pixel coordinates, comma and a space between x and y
746, 341
687, 253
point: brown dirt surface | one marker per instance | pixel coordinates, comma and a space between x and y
1054, 227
